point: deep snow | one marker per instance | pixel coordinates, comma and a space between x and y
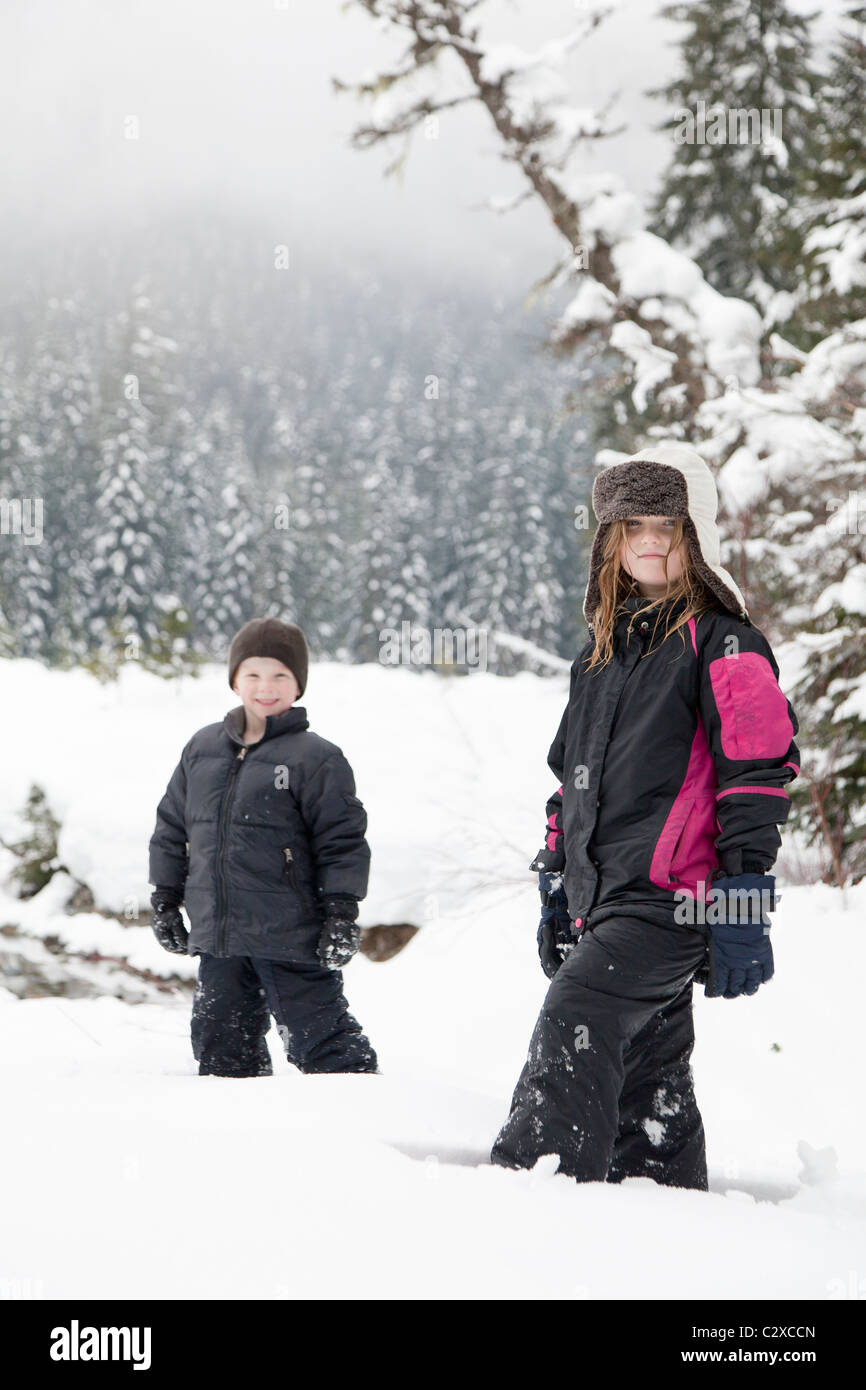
127, 1175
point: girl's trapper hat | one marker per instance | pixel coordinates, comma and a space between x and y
666, 479
270, 637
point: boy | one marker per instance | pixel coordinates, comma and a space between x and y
261, 834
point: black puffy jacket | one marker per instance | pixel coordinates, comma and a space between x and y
673, 761
254, 836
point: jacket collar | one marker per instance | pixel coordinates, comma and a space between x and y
636, 601
289, 722
657, 614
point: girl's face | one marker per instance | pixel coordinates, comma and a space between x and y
645, 549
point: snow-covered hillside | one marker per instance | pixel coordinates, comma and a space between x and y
122, 1155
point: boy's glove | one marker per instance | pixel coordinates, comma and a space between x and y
341, 935
740, 954
167, 923
555, 933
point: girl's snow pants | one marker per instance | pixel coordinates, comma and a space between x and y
234, 999
607, 1084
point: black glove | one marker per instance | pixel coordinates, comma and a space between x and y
167, 923
555, 932
341, 935
741, 957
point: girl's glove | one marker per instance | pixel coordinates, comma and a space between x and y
167, 923
341, 935
555, 933
740, 954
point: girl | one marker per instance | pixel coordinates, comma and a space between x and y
673, 754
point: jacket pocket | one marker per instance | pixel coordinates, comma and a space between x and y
668, 842
694, 855
295, 881
677, 854
685, 852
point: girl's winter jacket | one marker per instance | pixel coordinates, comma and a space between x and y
673, 761
252, 837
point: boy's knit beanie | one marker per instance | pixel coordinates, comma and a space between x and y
667, 479
269, 637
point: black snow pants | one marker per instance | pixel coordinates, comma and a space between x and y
607, 1084
234, 998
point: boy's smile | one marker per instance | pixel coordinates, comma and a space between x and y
265, 686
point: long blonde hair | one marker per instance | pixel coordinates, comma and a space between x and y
615, 584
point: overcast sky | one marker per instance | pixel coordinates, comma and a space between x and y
235, 109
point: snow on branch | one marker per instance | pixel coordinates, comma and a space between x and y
696, 361
683, 336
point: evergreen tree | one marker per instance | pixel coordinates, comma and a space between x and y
830, 796
36, 852
169, 455
730, 202
831, 287
215, 552
131, 529
17, 479
48, 480
404, 583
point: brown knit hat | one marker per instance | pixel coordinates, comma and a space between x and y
269, 637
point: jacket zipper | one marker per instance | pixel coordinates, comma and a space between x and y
643, 630
228, 797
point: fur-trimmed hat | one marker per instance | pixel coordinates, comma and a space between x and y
666, 479
270, 637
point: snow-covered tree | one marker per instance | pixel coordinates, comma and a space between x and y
831, 274
48, 469
740, 115
215, 551
693, 363
131, 604
823, 550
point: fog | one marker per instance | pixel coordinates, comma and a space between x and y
232, 108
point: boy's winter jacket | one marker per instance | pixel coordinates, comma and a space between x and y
253, 837
674, 757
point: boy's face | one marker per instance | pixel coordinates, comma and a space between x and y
265, 686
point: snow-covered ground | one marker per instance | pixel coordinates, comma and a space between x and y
126, 1175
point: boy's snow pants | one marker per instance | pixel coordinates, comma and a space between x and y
234, 998
607, 1084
